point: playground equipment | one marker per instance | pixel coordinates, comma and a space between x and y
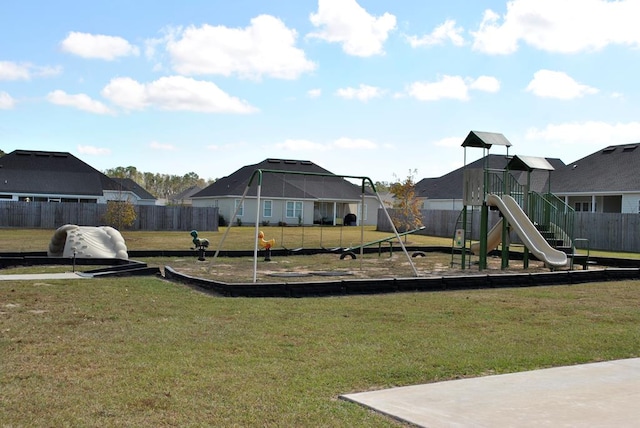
323, 179
75, 241
543, 222
266, 245
350, 252
527, 231
200, 245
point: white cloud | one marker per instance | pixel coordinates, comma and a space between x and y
566, 26
264, 48
453, 87
591, 132
161, 146
314, 93
354, 144
174, 93
486, 84
79, 101
12, 71
362, 93
98, 46
440, 35
91, 150
348, 23
557, 84
6, 101
25, 71
300, 146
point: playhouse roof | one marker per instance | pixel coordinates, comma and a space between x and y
485, 140
529, 163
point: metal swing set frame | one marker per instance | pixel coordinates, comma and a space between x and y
258, 175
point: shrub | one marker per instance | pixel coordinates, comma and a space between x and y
120, 214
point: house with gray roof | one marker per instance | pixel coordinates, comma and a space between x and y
296, 192
138, 195
446, 192
43, 176
184, 197
607, 181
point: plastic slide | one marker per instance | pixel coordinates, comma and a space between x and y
87, 242
527, 231
494, 238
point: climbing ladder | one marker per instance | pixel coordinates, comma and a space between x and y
460, 256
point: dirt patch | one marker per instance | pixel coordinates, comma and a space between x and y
319, 267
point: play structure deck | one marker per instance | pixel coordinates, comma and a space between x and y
541, 221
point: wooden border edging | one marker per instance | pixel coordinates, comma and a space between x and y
393, 285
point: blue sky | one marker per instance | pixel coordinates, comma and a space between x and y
366, 87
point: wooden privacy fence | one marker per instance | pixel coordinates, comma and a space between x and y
605, 231
51, 215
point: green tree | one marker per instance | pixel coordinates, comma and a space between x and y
382, 186
159, 185
120, 214
406, 214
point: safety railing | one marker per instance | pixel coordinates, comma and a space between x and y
550, 213
501, 182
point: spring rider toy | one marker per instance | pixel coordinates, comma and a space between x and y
200, 244
266, 245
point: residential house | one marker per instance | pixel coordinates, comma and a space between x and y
292, 192
135, 193
446, 192
607, 181
42, 176
184, 197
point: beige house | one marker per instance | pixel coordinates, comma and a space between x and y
295, 192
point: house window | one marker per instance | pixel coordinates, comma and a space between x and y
267, 208
239, 203
583, 206
294, 209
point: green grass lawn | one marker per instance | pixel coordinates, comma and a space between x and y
145, 352
242, 238
238, 238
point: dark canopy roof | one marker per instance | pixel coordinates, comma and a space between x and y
485, 140
529, 163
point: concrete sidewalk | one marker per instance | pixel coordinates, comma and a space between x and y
603, 394
43, 276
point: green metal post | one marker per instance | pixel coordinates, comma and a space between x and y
484, 220
464, 238
505, 244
